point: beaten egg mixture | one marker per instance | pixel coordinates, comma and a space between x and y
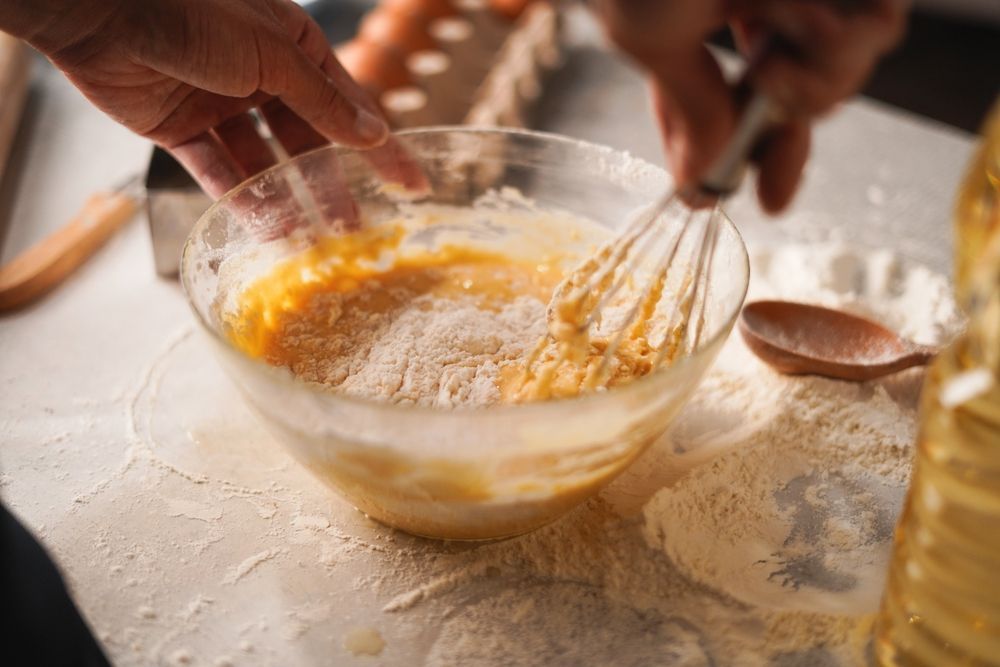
320, 313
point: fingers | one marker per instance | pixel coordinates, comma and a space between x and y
395, 165
225, 156
392, 162
315, 98
327, 192
208, 161
821, 52
295, 135
647, 29
330, 195
301, 78
311, 40
694, 105
696, 110
307, 98
780, 160
195, 111
248, 149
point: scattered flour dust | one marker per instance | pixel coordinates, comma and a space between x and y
757, 533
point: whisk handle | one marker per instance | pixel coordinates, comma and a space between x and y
726, 173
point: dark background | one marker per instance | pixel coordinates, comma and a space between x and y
947, 69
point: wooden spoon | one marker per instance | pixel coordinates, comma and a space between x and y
45, 265
799, 339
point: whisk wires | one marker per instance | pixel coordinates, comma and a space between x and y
578, 304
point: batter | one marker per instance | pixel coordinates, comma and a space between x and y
460, 320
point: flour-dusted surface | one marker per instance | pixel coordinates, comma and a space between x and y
132, 458
754, 535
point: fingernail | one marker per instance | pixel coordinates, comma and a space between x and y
370, 127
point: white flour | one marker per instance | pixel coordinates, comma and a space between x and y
440, 351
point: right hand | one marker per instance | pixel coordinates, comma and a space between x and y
824, 52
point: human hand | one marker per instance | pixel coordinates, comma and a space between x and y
820, 52
184, 73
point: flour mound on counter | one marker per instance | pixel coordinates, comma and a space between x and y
799, 514
431, 350
797, 509
908, 298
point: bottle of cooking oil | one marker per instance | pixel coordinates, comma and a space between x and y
942, 602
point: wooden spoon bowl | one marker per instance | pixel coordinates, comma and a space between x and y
802, 339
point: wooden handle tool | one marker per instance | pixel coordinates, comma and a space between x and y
15, 74
42, 267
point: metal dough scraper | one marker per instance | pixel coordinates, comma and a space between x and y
173, 203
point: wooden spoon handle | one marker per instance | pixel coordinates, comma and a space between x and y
45, 265
922, 354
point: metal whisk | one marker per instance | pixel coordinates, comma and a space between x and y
580, 301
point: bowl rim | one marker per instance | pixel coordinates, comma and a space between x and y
462, 411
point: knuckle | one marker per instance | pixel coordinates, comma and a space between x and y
331, 100
245, 84
275, 62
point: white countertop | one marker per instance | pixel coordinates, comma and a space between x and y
187, 535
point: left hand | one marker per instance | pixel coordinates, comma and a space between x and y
185, 72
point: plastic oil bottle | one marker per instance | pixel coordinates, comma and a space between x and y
942, 602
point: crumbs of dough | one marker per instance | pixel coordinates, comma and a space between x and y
364, 641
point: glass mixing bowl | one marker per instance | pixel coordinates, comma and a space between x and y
467, 473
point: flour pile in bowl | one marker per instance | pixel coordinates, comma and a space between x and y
422, 350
